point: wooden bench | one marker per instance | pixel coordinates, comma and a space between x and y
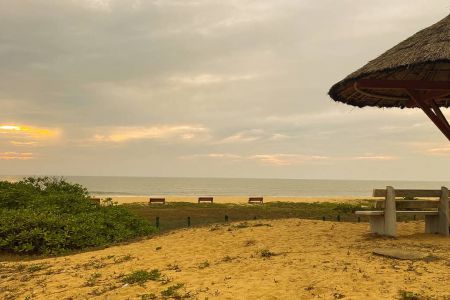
157, 200
255, 200
383, 221
205, 199
96, 200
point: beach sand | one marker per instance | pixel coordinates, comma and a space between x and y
235, 199
312, 259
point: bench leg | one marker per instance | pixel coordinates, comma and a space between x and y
390, 214
377, 224
443, 212
431, 224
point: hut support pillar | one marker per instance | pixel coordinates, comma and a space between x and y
422, 94
431, 109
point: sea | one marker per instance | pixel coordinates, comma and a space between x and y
144, 186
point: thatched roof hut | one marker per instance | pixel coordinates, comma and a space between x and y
415, 73
423, 56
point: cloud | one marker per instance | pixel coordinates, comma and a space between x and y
443, 150
252, 135
287, 159
277, 159
374, 157
19, 143
11, 131
16, 156
179, 132
207, 79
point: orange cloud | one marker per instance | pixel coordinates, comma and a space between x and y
123, 134
16, 156
28, 131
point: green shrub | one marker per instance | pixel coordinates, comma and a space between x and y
141, 276
51, 216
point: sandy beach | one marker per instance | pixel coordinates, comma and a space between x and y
306, 260
233, 199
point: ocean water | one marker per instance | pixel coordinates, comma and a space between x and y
144, 186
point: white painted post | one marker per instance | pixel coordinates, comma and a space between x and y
390, 214
443, 212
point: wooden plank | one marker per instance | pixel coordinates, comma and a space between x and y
205, 199
255, 200
405, 212
433, 115
369, 213
408, 193
418, 212
414, 204
157, 200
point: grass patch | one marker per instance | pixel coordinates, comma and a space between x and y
122, 259
142, 276
92, 280
408, 295
173, 292
173, 214
150, 296
266, 253
204, 264
37, 267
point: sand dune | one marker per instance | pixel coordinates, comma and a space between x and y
236, 199
312, 259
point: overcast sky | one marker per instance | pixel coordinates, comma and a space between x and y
207, 88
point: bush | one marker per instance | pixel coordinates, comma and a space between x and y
142, 276
51, 216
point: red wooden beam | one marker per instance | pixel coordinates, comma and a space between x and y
422, 93
403, 84
436, 116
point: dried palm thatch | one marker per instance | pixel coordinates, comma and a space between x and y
423, 56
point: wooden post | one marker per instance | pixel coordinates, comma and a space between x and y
189, 221
226, 218
390, 214
157, 222
443, 212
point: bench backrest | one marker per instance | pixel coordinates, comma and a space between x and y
255, 200
410, 194
157, 200
205, 199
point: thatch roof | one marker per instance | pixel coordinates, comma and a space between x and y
423, 56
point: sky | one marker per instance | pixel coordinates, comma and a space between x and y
207, 88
